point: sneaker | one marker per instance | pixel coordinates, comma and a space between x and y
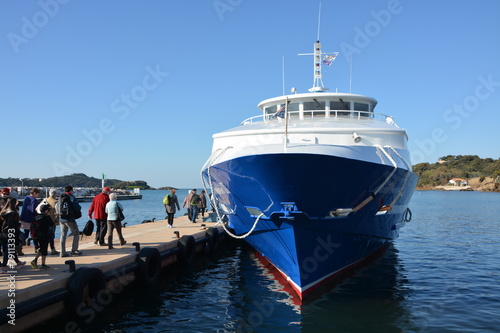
76, 253
54, 252
44, 267
65, 254
95, 242
34, 265
123, 243
21, 263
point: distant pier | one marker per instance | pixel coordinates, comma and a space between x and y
79, 286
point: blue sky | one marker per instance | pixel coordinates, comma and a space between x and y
135, 89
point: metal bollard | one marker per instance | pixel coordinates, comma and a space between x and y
71, 264
137, 246
177, 234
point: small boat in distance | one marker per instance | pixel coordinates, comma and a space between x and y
316, 184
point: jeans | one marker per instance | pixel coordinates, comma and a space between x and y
64, 232
194, 213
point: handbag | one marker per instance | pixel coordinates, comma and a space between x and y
121, 217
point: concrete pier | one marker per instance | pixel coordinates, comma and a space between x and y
30, 296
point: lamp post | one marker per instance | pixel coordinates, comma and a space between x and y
22, 186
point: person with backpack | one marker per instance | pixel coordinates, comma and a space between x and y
69, 210
42, 231
193, 203
98, 209
113, 209
170, 201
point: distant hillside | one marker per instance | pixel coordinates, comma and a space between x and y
483, 171
76, 180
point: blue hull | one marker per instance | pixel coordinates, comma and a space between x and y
305, 241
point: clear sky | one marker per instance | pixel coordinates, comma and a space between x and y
135, 89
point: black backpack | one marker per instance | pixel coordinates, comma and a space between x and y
89, 228
64, 207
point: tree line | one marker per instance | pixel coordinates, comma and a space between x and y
456, 166
76, 180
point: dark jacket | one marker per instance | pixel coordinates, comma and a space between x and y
9, 220
28, 212
172, 203
46, 226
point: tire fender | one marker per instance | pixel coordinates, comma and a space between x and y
83, 290
212, 235
187, 249
148, 266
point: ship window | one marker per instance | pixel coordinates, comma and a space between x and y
335, 106
317, 106
314, 105
271, 109
362, 107
338, 105
293, 106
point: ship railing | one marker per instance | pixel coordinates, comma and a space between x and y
322, 114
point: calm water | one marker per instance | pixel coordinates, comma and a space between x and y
441, 275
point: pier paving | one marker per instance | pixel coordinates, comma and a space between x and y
31, 283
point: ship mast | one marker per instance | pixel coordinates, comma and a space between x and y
329, 57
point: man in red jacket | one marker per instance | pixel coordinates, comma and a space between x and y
98, 208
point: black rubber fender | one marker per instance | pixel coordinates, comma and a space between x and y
212, 235
148, 266
83, 290
187, 249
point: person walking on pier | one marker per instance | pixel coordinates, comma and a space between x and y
69, 210
43, 232
186, 203
9, 229
194, 202
28, 214
170, 207
203, 203
98, 208
52, 201
114, 221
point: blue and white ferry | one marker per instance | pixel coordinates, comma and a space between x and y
316, 183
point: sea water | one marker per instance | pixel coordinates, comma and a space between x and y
441, 275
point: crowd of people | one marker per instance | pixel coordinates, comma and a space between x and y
194, 203
38, 219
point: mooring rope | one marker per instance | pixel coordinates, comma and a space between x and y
245, 235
